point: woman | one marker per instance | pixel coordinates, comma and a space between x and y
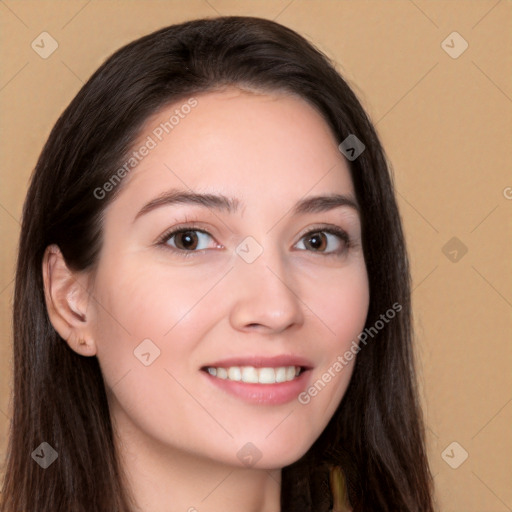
212, 301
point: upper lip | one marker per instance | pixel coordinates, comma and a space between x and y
262, 362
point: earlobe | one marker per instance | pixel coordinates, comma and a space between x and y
67, 301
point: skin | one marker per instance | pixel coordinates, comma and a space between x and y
178, 435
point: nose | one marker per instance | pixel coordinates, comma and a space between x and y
264, 297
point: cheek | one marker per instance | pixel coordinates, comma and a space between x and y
144, 311
340, 302
341, 305
147, 328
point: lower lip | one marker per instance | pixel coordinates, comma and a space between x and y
264, 394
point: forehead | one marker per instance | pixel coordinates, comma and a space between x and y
250, 145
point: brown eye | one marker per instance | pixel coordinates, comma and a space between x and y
319, 240
187, 239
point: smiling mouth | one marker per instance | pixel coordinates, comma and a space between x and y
252, 375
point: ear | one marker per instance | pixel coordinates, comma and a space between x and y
67, 299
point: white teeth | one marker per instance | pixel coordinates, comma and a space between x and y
249, 374
222, 373
268, 376
290, 372
280, 374
234, 373
253, 375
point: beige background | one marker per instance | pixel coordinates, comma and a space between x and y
445, 123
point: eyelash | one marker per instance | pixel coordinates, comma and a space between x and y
340, 233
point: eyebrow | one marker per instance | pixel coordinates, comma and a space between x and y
312, 204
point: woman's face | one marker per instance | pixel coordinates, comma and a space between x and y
259, 282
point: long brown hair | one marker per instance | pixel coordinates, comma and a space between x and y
376, 436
